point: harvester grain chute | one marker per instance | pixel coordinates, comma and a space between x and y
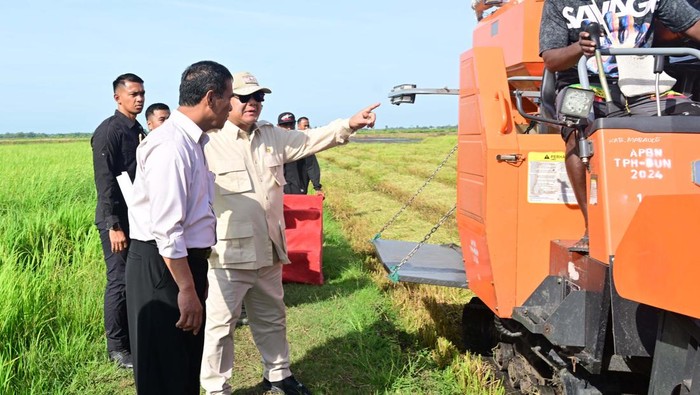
624, 318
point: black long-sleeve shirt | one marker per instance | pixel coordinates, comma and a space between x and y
299, 173
113, 152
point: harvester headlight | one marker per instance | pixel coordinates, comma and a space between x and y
576, 102
401, 99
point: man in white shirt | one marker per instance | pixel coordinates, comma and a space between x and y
247, 158
172, 230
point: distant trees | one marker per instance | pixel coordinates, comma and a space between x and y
387, 129
413, 129
34, 135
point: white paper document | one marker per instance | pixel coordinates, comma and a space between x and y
127, 187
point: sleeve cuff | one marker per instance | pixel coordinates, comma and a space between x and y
173, 249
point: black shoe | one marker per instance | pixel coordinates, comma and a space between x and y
122, 358
242, 319
288, 386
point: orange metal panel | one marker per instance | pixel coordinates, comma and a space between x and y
526, 68
468, 85
656, 261
501, 228
470, 196
471, 160
469, 117
489, 251
627, 167
546, 217
477, 262
514, 27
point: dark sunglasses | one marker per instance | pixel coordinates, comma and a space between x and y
259, 97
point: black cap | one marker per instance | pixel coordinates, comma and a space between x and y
286, 117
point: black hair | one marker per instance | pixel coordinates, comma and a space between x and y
302, 118
155, 107
200, 78
121, 80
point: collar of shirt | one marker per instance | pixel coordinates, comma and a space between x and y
242, 134
128, 122
238, 132
191, 128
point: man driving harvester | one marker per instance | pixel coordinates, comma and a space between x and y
563, 40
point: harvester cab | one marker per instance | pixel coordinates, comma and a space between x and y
623, 318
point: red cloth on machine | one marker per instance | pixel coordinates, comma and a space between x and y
303, 216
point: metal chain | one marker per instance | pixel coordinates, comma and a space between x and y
410, 200
394, 274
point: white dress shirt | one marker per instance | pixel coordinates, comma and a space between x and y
172, 189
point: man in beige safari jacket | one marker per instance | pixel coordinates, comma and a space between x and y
247, 158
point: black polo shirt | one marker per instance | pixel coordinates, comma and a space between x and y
113, 152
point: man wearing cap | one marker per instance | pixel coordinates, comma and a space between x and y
286, 120
247, 158
300, 172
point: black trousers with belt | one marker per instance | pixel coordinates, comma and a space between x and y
167, 359
116, 325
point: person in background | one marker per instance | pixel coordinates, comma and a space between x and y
172, 230
247, 158
156, 114
113, 152
300, 172
303, 123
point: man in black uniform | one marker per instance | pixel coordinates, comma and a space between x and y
300, 172
113, 152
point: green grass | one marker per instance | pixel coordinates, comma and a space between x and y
51, 272
356, 334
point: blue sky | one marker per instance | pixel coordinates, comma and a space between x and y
323, 59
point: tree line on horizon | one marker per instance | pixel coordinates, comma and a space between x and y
37, 135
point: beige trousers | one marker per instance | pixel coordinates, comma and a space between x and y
263, 294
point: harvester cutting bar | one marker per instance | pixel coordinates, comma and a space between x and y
432, 264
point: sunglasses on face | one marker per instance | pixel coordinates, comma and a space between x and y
259, 97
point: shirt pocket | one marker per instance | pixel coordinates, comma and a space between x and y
236, 242
275, 164
233, 178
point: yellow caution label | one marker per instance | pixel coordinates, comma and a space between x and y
557, 156
547, 180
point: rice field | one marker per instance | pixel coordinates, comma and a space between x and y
52, 280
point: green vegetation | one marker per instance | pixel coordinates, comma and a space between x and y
356, 334
44, 136
51, 272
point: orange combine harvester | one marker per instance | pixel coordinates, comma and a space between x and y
621, 319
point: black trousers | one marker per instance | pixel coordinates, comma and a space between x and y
167, 360
116, 322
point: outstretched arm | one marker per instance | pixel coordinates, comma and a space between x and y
364, 118
302, 143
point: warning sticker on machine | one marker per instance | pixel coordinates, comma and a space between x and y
547, 180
